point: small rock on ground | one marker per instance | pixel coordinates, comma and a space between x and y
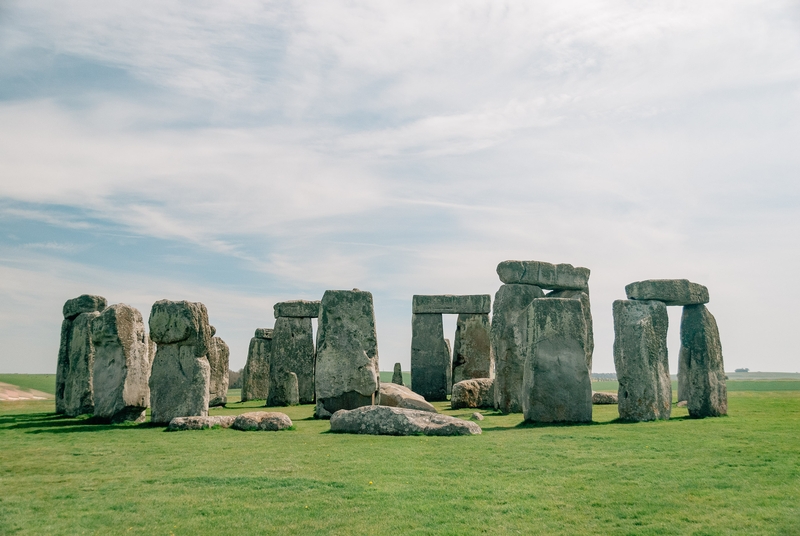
200, 423
604, 398
477, 416
264, 421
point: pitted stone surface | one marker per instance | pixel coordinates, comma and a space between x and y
79, 385
262, 421
62, 367
701, 354
121, 369
256, 372
450, 304
430, 357
478, 393
669, 291
399, 396
181, 322
200, 423
472, 348
583, 296
640, 358
85, 303
292, 351
544, 275
263, 333
383, 420
601, 398
397, 375
297, 309
219, 365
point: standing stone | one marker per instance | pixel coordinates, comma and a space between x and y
397, 375
556, 383
291, 389
472, 348
683, 375
544, 275
121, 368
640, 357
448, 356
430, 357
583, 296
510, 343
292, 351
255, 375
180, 377
219, 363
701, 351
79, 387
347, 374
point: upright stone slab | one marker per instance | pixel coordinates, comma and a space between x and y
79, 387
544, 275
510, 343
669, 291
121, 369
292, 351
256, 372
180, 377
397, 375
701, 352
472, 348
297, 309
347, 374
640, 357
290, 387
430, 357
451, 304
583, 296
219, 364
683, 376
556, 383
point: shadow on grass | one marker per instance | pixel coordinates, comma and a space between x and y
44, 423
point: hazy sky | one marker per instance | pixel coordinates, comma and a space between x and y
248, 153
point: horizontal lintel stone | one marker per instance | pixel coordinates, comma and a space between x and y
544, 275
669, 291
450, 304
297, 309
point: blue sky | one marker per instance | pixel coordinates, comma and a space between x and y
243, 155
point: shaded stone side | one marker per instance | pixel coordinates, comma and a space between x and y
583, 296
292, 351
219, 366
347, 373
85, 303
296, 309
683, 375
640, 358
669, 291
397, 375
256, 372
701, 352
544, 275
510, 343
472, 348
556, 384
430, 357
451, 304
79, 385
62, 367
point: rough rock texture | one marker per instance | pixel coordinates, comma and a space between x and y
347, 373
683, 375
601, 398
255, 375
510, 343
640, 357
79, 385
669, 291
477, 416
297, 309
583, 296
292, 351
448, 356
219, 362
701, 351
478, 393
288, 385
262, 421
450, 304
556, 385
430, 357
180, 377
85, 303
472, 348
399, 396
121, 369
544, 275
397, 375
383, 420
200, 423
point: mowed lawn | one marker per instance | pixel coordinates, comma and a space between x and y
737, 474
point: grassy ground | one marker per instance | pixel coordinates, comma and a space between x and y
41, 382
738, 474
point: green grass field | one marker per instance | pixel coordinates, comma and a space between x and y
45, 383
736, 474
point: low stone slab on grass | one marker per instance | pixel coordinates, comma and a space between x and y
383, 420
200, 423
262, 421
400, 396
604, 398
477, 393
669, 291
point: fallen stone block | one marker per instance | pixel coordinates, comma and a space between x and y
669, 291
200, 423
601, 398
262, 421
544, 275
450, 304
477, 393
398, 396
297, 309
383, 420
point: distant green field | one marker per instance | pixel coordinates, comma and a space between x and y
41, 382
386, 377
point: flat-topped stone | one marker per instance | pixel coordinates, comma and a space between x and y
384, 420
297, 309
85, 303
669, 291
544, 275
451, 304
263, 333
200, 423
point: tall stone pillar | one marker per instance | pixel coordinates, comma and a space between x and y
292, 351
256, 372
701, 354
430, 357
472, 348
219, 362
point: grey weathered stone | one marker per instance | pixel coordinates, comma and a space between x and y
450, 304
219, 364
200, 423
601, 398
262, 421
85, 303
212, 331
477, 416
556, 383
448, 357
292, 351
62, 367
683, 375
297, 309
701, 351
256, 372
583, 296
79, 386
544, 275
383, 420
288, 386
180, 376
347, 373
399, 396
640, 358
669, 291
263, 333
682, 404
477, 393
397, 375
430, 357
472, 348
121, 369
510, 343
